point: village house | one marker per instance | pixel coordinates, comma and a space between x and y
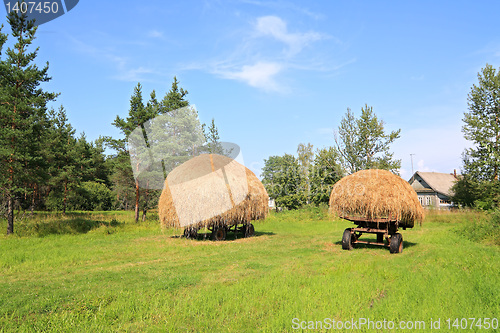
434, 188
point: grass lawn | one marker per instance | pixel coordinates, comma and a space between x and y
102, 272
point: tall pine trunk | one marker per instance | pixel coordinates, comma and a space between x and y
32, 207
497, 141
10, 213
137, 196
145, 207
136, 201
65, 196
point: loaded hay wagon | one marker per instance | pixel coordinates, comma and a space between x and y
378, 202
214, 192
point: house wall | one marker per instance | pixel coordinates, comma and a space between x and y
418, 183
428, 199
433, 200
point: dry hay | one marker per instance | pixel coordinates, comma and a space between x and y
375, 194
211, 190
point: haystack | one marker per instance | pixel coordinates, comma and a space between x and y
211, 190
376, 194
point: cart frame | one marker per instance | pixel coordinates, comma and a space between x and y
219, 231
384, 228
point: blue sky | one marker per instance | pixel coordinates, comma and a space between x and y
279, 73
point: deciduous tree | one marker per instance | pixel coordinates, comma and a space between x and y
480, 185
482, 127
282, 178
305, 157
324, 173
363, 144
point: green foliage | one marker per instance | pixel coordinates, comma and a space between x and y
122, 180
482, 127
363, 144
94, 196
287, 182
212, 138
174, 99
465, 192
291, 201
22, 113
86, 196
325, 172
480, 186
281, 177
43, 225
305, 156
482, 228
168, 131
137, 115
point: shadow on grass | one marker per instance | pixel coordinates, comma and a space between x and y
406, 245
61, 227
231, 236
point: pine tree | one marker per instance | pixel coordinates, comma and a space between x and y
62, 156
158, 137
174, 99
212, 139
22, 111
137, 116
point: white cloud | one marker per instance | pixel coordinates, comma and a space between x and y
155, 34
259, 66
275, 27
285, 5
260, 75
122, 65
133, 74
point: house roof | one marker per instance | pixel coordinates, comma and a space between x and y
439, 182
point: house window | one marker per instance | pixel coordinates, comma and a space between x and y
421, 199
428, 200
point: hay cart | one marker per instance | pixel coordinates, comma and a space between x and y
219, 231
384, 228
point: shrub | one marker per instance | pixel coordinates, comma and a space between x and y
293, 201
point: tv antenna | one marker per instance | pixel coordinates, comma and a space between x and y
411, 156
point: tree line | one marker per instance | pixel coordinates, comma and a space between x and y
44, 165
359, 143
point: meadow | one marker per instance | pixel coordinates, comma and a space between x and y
101, 271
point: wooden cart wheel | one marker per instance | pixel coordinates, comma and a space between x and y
194, 234
219, 233
396, 245
249, 230
191, 233
347, 240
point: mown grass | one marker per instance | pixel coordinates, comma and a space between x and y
115, 275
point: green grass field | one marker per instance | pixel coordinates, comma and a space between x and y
102, 272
